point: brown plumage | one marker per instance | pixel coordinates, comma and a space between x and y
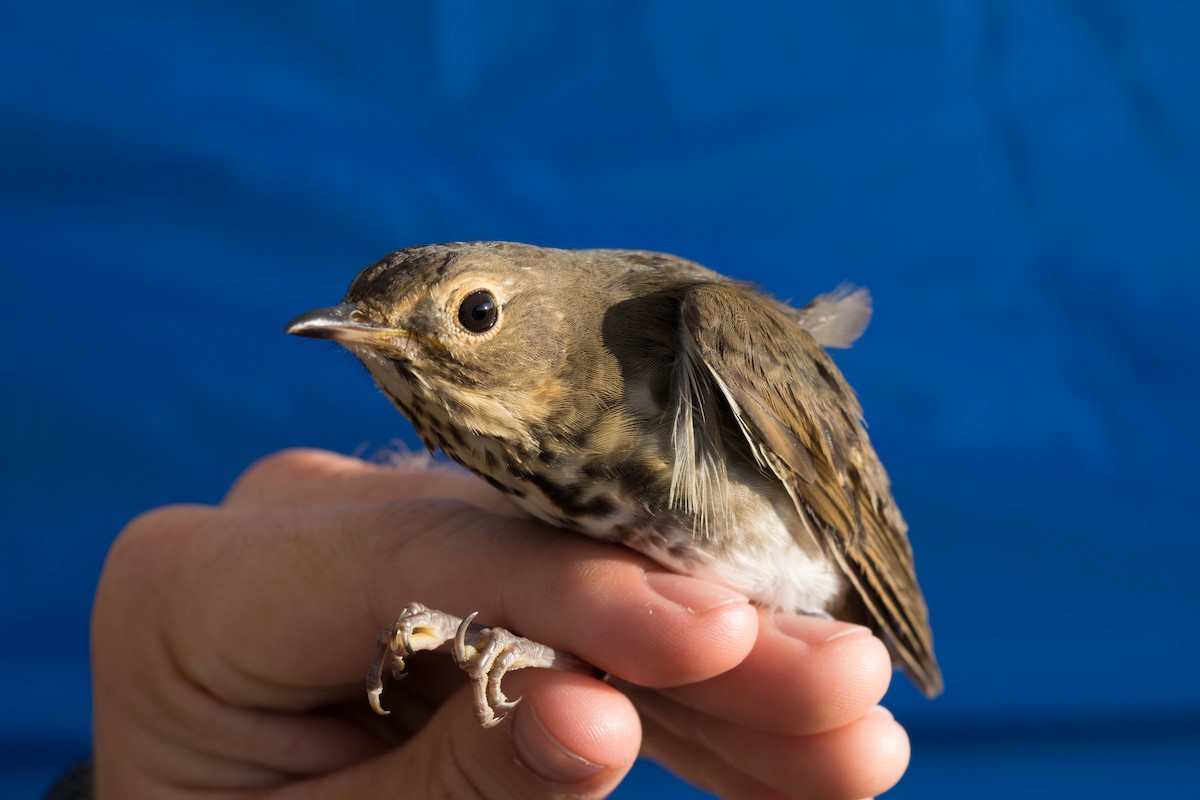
641, 398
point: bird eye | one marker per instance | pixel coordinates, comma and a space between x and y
478, 312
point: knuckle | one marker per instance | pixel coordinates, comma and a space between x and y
144, 557
287, 474
152, 539
283, 464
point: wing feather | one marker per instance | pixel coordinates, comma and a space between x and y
801, 417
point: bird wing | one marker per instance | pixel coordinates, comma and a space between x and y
804, 423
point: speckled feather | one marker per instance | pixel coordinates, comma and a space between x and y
641, 398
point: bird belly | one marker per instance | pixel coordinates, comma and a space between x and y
754, 552
773, 571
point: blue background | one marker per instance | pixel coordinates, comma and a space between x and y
1017, 183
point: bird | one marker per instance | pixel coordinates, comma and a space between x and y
642, 399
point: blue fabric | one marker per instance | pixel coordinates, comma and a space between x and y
1017, 183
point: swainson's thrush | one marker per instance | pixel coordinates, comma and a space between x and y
643, 399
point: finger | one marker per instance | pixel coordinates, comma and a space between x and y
180, 733
685, 760
861, 759
805, 675
300, 478
260, 601
571, 737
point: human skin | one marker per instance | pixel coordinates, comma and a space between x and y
229, 645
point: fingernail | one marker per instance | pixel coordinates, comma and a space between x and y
816, 631
544, 755
693, 594
880, 711
852, 631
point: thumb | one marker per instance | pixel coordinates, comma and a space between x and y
572, 735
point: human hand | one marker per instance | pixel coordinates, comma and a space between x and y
229, 645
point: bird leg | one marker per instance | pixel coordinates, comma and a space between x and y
485, 654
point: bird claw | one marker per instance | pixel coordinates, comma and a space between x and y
418, 628
485, 654
494, 652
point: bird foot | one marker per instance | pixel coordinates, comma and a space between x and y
485, 654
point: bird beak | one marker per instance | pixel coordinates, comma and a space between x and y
345, 323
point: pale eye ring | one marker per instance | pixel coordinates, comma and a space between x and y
478, 311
